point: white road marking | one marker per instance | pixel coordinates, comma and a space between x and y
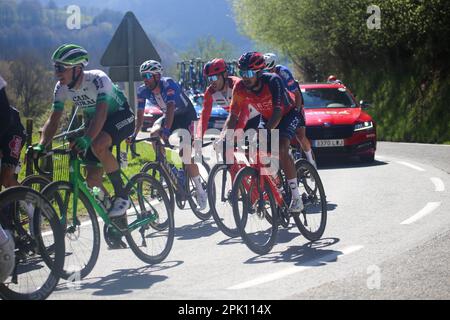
407, 164
439, 184
429, 208
296, 269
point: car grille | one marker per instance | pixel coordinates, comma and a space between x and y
334, 132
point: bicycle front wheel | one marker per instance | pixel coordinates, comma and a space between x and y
219, 198
154, 170
312, 221
39, 243
151, 225
255, 211
82, 232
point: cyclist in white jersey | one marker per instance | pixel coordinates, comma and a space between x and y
107, 114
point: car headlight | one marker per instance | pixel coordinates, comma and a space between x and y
364, 126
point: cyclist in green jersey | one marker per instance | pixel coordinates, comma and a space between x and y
107, 114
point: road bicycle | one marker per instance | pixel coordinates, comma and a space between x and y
260, 202
175, 179
148, 225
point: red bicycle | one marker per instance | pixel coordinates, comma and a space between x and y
260, 203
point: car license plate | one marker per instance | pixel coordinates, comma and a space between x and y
328, 143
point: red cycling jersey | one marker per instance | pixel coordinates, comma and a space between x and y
272, 94
210, 97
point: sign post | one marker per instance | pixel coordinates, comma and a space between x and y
128, 49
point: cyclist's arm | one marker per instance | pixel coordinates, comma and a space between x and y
274, 121
170, 114
277, 89
5, 112
139, 121
50, 127
205, 115
238, 104
298, 99
97, 123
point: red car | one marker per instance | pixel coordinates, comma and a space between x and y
151, 114
336, 123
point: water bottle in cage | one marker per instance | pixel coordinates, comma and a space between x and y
123, 159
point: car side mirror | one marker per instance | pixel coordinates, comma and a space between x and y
364, 104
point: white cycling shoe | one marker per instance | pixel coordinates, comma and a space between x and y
202, 200
119, 208
296, 205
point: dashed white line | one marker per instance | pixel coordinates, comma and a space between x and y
439, 184
293, 270
429, 208
407, 164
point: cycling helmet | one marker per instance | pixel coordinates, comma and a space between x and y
71, 55
251, 61
332, 78
7, 258
270, 60
215, 66
151, 66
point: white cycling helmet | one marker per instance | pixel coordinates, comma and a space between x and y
151, 66
7, 258
270, 60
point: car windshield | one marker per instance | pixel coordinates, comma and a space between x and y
327, 98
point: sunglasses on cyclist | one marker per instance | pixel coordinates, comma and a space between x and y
147, 76
247, 73
213, 78
60, 68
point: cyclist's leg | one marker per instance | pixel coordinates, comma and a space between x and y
117, 128
303, 140
183, 121
288, 127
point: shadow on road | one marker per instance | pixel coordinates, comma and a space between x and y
230, 241
124, 281
312, 254
196, 231
342, 163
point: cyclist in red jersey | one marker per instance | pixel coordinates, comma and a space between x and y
268, 95
220, 91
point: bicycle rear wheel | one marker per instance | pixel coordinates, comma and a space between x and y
312, 221
220, 204
82, 233
36, 182
255, 211
151, 225
37, 266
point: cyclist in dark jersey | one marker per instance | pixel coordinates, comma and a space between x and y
8, 156
107, 114
292, 86
268, 95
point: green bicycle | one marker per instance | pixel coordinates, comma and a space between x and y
148, 226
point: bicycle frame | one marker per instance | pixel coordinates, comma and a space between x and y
79, 186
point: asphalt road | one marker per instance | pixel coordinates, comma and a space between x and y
387, 237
